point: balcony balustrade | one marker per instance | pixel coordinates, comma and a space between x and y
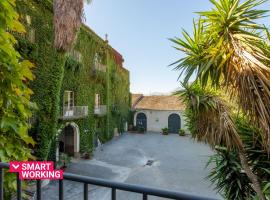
75, 112
100, 110
100, 67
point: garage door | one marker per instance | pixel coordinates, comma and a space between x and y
174, 123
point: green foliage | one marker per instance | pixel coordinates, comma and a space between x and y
49, 71
209, 50
230, 179
15, 104
229, 48
64, 161
257, 155
165, 131
228, 176
79, 76
182, 132
112, 85
72, 64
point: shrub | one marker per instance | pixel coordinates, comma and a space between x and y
228, 175
15, 104
141, 129
182, 132
64, 161
165, 131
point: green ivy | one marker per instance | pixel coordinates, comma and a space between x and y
49, 71
56, 73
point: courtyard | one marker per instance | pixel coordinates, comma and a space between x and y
166, 162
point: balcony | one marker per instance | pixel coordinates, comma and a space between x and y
100, 110
100, 67
75, 112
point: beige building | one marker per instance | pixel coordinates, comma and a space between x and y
157, 112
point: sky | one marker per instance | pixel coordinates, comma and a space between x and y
139, 30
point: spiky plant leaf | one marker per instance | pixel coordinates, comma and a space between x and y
234, 55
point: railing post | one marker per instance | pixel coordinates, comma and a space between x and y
19, 187
85, 191
61, 190
113, 194
1, 184
38, 189
145, 196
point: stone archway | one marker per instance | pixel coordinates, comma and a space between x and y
69, 142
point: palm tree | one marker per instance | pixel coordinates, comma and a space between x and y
68, 15
229, 49
210, 121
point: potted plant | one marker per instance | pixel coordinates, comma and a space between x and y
182, 132
87, 154
165, 131
141, 129
64, 161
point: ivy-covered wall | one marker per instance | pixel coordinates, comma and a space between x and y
56, 73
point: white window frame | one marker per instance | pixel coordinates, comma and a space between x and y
69, 104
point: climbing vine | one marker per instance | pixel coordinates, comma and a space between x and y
56, 73
37, 46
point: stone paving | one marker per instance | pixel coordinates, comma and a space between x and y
166, 162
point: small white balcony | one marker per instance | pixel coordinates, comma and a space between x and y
100, 67
75, 112
100, 110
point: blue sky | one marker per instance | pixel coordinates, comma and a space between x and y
139, 30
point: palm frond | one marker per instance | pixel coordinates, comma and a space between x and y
68, 16
234, 54
211, 118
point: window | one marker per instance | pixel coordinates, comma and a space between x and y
97, 100
76, 55
96, 59
98, 63
69, 100
32, 35
28, 19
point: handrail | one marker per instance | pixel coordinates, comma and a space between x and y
145, 191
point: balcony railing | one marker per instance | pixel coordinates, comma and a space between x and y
100, 110
75, 112
144, 191
100, 67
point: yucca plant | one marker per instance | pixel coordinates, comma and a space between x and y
258, 157
210, 121
228, 48
228, 176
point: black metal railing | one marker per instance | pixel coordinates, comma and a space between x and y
114, 186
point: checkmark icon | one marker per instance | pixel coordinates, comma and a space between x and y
15, 166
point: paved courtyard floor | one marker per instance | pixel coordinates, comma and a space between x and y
179, 165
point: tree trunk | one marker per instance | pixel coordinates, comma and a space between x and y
67, 21
252, 177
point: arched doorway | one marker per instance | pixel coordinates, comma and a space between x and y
141, 121
174, 123
69, 142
